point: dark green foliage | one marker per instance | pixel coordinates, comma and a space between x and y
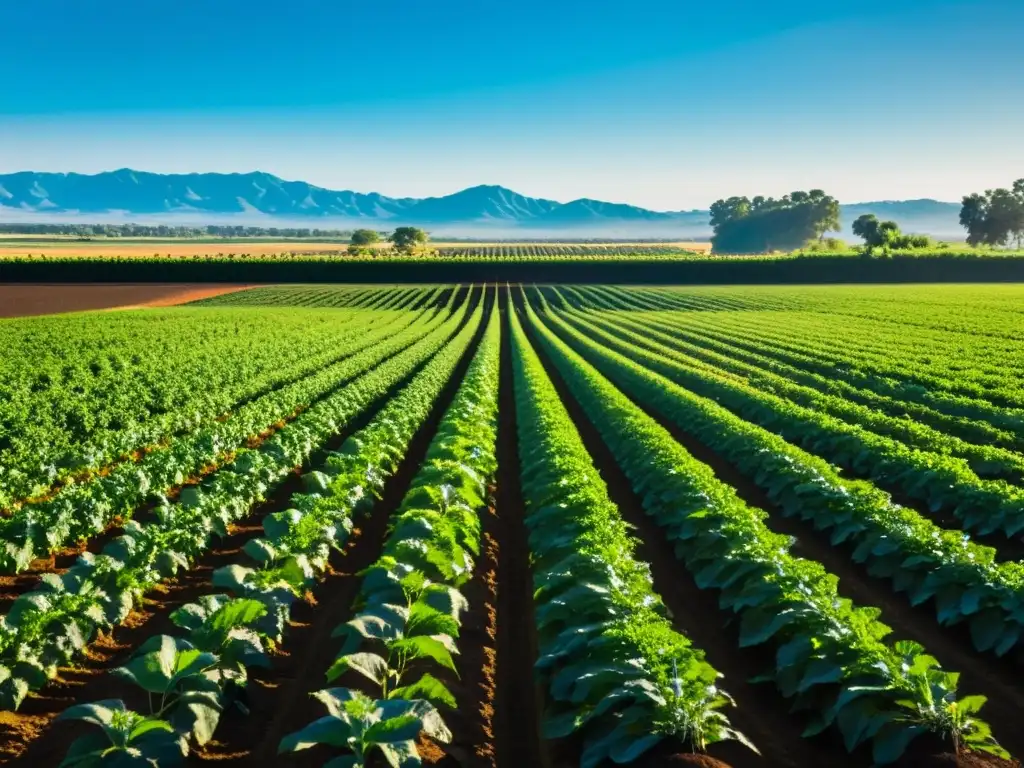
767, 224
407, 238
996, 217
886, 235
364, 237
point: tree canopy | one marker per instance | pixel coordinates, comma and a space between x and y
886, 234
996, 217
764, 224
407, 238
364, 237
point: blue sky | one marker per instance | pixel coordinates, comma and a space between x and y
664, 104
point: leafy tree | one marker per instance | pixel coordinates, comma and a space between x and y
886, 235
364, 237
407, 238
996, 217
867, 227
763, 224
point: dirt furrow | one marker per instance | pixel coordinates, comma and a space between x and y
520, 701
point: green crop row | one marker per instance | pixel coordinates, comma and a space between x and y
403, 640
81, 510
50, 625
943, 482
925, 561
614, 668
830, 656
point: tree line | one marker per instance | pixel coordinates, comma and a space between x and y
802, 219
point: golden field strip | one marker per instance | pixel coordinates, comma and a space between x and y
64, 248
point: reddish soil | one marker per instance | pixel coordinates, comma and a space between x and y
475, 690
46, 299
669, 754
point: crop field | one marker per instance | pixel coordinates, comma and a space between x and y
507, 526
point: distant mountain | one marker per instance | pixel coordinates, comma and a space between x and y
205, 197
476, 203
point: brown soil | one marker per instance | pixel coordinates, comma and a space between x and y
474, 691
46, 299
520, 701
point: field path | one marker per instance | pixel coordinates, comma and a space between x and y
53, 298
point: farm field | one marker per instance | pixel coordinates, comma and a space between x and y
517, 525
22, 246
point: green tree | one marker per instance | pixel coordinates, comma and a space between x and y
996, 217
886, 235
867, 227
764, 223
362, 238
408, 238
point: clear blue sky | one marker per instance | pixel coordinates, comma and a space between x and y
668, 104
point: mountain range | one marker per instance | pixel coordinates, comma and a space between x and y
257, 196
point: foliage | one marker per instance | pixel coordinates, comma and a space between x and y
362, 726
830, 654
886, 235
407, 239
996, 217
608, 655
50, 625
409, 607
764, 224
124, 739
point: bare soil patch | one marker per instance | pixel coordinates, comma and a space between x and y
53, 298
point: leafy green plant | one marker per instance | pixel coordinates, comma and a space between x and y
615, 669
830, 655
182, 683
361, 725
124, 739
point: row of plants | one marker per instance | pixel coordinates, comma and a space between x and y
952, 349
985, 460
944, 483
614, 668
78, 393
192, 679
50, 625
757, 367
1003, 408
400, 647
928, 563
657, 333
830, 656
84, 509
360, 297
